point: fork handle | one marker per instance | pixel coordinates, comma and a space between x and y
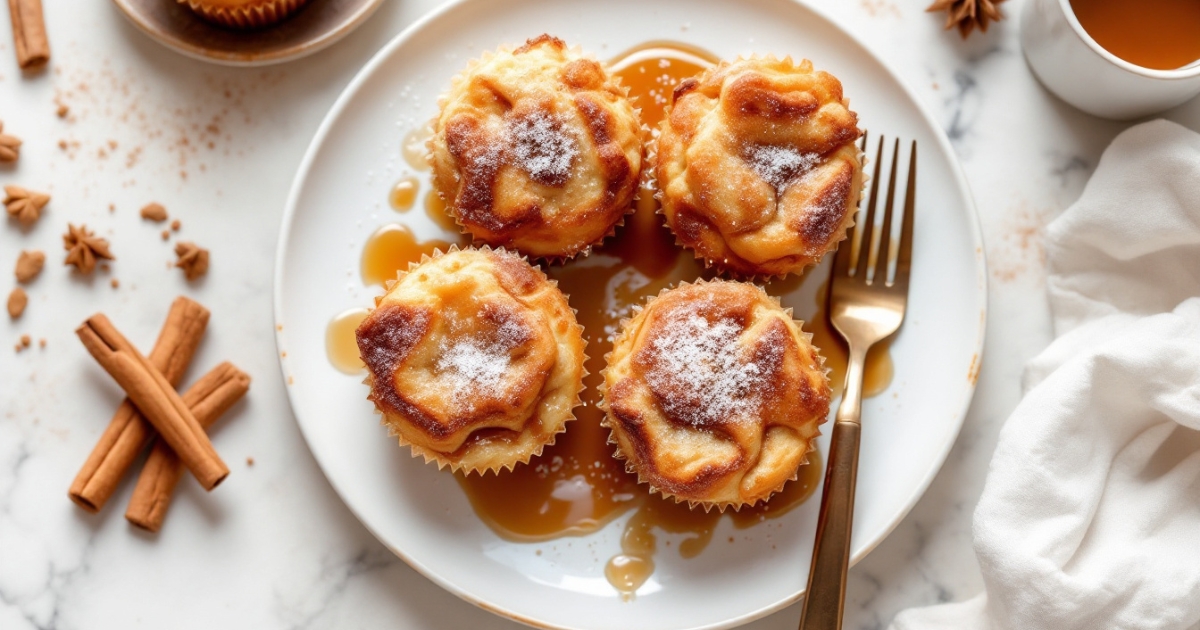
825, 597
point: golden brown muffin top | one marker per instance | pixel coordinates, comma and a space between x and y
537, 149
714, 393
758, 166
474, 358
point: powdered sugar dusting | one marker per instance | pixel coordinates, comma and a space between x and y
780, 165
542, 147
475, 366
701, 372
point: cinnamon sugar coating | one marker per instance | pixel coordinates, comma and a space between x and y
758, 166
475, 359
537, 149
714, 394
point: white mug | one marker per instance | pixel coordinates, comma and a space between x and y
1077, 69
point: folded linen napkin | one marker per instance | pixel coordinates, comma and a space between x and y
1090, 515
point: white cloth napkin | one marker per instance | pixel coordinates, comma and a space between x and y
1090, 516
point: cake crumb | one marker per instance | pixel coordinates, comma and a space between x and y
29, 265
249, 461
17, 300
193, 259
25, 341
166, 234
42, 342
154, 211
114, 283
175, 225
112, 207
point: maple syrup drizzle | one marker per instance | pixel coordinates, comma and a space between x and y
629, 570
404, 194
877, 372
575, 486
340, 343
652, 70
414, 150
435, 209
390, 250
1158, 34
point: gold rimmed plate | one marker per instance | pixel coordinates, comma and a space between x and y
315, 26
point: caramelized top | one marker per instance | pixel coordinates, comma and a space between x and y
758, 166
714, 393
537, 149
474, 358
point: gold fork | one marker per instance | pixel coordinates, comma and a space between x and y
865, 307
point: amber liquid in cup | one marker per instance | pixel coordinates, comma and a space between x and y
1156, 34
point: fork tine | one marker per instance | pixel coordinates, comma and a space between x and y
904, 260
841, 258
868, 224
885, 234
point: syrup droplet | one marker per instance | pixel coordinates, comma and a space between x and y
390, 250
404, 194
340, 345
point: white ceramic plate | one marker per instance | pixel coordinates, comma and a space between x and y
340, 196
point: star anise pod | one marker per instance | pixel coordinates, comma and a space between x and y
967, 14
24, 205
193, 259
84, 248
10, 146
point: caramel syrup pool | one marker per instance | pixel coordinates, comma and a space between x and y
576, 486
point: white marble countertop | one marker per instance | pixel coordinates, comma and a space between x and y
275, 547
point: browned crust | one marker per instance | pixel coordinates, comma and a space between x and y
385, 339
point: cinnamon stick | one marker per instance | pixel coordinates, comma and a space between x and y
208, 399
128, 432
29, 33
155, 398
